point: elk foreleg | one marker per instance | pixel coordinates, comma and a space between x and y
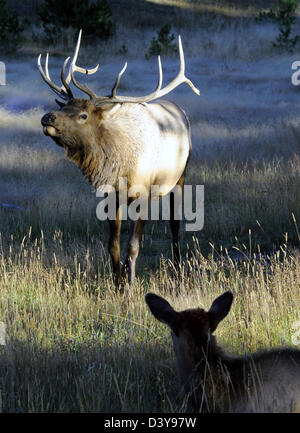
114, 246
136, 231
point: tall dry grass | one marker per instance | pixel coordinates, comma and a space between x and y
75, 345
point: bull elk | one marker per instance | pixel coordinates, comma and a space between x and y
113, 137
266, 381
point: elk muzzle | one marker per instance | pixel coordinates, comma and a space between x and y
48, 121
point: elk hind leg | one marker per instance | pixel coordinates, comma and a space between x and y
175, 223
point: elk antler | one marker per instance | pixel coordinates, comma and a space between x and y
64, 91
159, 92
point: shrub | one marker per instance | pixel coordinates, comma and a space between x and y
285, 15
10, 29
163, 44
123, 49
94, 17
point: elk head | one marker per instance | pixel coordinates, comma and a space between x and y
191, 332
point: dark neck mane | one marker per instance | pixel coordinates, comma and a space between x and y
98, 167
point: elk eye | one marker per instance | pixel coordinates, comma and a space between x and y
83, 116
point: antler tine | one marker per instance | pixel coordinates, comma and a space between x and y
46, 66
74, 60
74, 68
160, 75
182, 68
83, 87
114, 89
181, 57
66, 81
46, 77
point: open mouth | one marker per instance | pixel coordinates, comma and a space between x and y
50, 130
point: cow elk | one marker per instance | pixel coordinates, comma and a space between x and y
214, 381
113, 137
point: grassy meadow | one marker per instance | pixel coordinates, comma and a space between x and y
75, 345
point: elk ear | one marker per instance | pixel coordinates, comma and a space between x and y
61, 104
219, 309
109, 109
163, 311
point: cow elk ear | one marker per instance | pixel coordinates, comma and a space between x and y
163, 311
219, 309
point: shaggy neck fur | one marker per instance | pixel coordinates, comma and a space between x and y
110, 154
100, 164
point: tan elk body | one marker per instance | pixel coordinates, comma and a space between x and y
113, 137
214, 381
